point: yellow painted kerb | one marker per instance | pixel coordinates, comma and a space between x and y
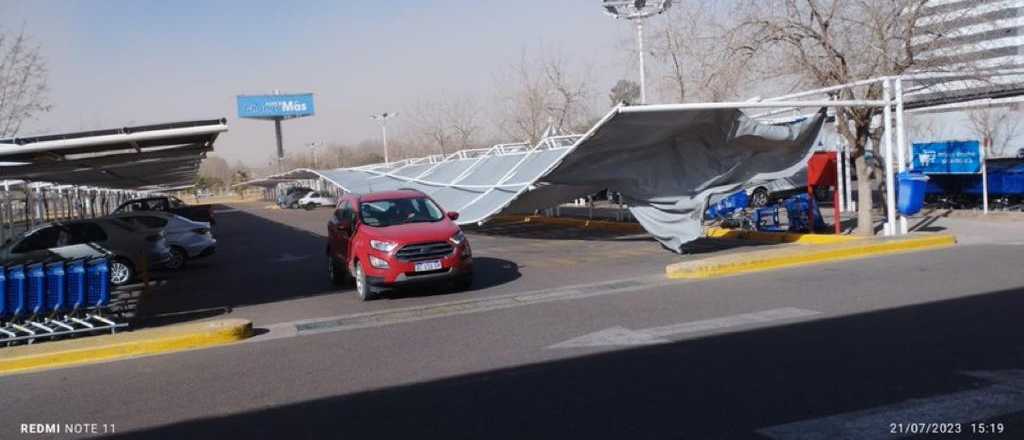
46, 355
769, 259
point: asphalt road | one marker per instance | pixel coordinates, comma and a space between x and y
601, 348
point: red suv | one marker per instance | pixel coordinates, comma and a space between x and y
393, 238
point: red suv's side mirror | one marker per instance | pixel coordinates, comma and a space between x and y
453, 215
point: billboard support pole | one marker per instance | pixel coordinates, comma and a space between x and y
280, 143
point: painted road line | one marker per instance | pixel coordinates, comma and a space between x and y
619, 336
226, 211
440, 310
1004, 395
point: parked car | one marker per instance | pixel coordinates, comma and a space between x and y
291, 198
389, 239
187, 239
199, 213
316, 199
130, 249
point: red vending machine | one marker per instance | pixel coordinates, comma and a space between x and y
821, 171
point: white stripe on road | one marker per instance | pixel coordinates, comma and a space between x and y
619, 336
1004, 395
440, 310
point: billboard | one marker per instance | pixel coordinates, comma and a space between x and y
275, 106
952, 157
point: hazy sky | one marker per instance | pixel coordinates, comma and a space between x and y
116, 63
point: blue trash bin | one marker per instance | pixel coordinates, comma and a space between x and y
727, 206
97, 276
74, 280
15, 297
56, 290
3, 294
910, 192
35, 289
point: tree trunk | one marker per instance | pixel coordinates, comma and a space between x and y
865, 220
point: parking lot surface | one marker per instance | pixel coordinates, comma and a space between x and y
579, 348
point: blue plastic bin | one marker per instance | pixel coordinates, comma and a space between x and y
910, 192
15, 298
55, 287
97, 276
798, 209
74, 279
35, 289
728, 205
3, 293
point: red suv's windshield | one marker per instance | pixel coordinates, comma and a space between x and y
382, 213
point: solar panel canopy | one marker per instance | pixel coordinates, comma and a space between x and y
666, 162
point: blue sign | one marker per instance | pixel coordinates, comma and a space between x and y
275, 106
953, 157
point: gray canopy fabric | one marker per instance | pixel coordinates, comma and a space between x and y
665, 161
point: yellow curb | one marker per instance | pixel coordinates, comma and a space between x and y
779, 237
91, 349
771, 259
600, 225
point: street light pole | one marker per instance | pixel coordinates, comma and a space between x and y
382, 119
643, 71
314, 146
636, 11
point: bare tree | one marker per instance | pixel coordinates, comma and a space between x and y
996, 126
541, 93
692, 46
448, 121
832, 42
23, 82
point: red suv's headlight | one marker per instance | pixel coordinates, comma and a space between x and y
458, 238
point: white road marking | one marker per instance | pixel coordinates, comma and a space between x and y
440, 310
619, 336
225, 211
1004, 395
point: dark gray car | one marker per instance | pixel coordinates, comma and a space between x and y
130, 249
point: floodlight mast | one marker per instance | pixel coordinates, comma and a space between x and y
382, 119
637, 11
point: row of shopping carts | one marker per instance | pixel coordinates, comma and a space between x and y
45, 300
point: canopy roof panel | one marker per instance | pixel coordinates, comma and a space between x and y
148, 157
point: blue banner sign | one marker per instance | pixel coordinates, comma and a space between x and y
275, 106
953, 157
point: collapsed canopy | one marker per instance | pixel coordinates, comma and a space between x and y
665, 160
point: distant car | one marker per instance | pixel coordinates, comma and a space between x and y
187, 239
199, 213
130, 249
1020, 153
393, 238
316, 199
291, 199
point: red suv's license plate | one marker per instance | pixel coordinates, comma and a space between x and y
425, 266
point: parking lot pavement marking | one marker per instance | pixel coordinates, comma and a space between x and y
620, 336
934, 415
419, 313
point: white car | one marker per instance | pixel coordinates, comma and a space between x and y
316, 199
187, 239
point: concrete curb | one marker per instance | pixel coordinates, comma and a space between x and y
793, 256
87, 350
580, 223
779, 237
